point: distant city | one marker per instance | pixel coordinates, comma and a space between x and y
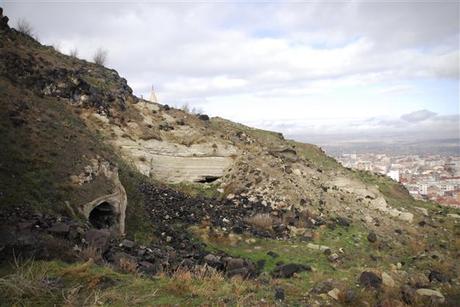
427, 177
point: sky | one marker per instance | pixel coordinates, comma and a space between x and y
303, 68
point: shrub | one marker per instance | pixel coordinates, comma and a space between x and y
74, 53
186, 108
91, 252
261, 221
100, 57
24, 27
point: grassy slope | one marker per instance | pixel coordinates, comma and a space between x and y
38, 156
85, 284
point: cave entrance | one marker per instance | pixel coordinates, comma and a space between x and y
207, 179
103, 216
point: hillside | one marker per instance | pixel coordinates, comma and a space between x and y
106, 198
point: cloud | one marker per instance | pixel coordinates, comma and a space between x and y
320, 66
418, 116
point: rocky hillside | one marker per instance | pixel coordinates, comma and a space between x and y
88, 171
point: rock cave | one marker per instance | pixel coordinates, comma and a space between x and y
103, 216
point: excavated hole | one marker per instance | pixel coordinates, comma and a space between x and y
102, 216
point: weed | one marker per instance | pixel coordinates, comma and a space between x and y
128, 265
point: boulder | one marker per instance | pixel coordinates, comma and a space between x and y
288, 270
432, 296
59, 229
334, 293
406, 217
98, 238
212, 260
387, 280
370, 280
147, 267
238, 266
203, 117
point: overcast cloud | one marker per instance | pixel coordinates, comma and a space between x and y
300, 68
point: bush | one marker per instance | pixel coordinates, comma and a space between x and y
74, 53
100, 57
24, 27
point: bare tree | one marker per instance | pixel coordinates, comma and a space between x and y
73, 52
100, 57
24, 27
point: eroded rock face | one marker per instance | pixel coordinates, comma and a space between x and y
106, 211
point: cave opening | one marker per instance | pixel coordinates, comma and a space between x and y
102, 216
207, 179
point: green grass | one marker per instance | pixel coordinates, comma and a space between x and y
352, 239
197, 189
138, 224
48, 283
395, 194
315, 156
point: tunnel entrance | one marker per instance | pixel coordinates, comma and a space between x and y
102, 216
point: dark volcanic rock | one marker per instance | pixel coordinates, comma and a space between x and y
438, 276
238, 266
342, 221
59, 229
407, 294
98, 238
370, 280
323, 286
214, 261
203, 117
288, 270
279, 294
372, 237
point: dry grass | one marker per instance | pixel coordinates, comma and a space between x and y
147, 133
206, 282
261, 221
187, 139
91, 252
128, 265
27, 281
